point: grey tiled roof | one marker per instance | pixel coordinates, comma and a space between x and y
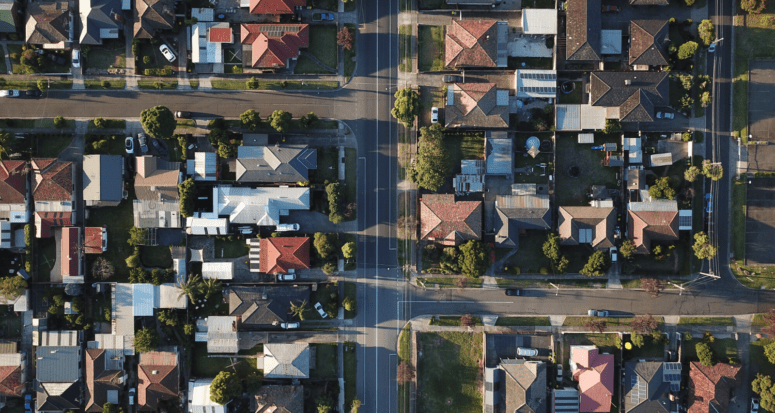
525, 386
286, 360
103, 15
520, 212
649, 42
151, 16
597, 222
583, 30
635, 93
257, 312
279, 163
102, 179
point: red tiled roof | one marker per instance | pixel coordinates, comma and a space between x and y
595, 374
448, 222
92, 243
647, 226
711, 385
53, 180
273, 44
157, 378
280, 254
13, 185
275, 6
219, 35
99, 380
10, 381
471, 43
44, 221
68, 251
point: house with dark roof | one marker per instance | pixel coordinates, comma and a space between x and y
13, 371
648, 43
100, 19
711, 387
523, 210
476, 43
13, 191
262, 307
158, 378
103, 183
10, 20
53, 194
286, 361
49, 23
629, 96
583, 36
278, 399
595, 374
152, 16
521, 386
284, 254
656, 220
272, 46
156, 187
276, 163
273, 6
587, 225
58, 378
105, 378
648, 386
476, 105
448, 222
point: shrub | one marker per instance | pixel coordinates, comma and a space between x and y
133, 261
251, 83
105, 84
687, 50
147, 60
158, 72
329, 268
686, 136
236, 69
60, 122
100, 123
753, 6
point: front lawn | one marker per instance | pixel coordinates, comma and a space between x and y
753, 276
529, 258
52, 146
111, 54
322, 45
572, 191
156, 256
157, 84
722, 348
607, 343
235, 84
327, 361
430, 48
118, 220
449, 372
706, 321
230, 247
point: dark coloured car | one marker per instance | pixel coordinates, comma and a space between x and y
453, 79
514, 292
32, 93
183, 115
611, 9
159, 147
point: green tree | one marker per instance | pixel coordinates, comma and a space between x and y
334, 194
707, 32
250, 119
100, 122
705, 354
225, 386
12, 287
627, 249
350, 304
769, 351
324, 245
691, 173
662, 189
168, 317
762, 385
187, 191
7, 142
146, 340
191, 287
712, 170
324, 404
406, 107
137, 236
474, 257
705, 99
753, 7
280, 120
42, 85
596, 265
60, 122
189, 329
637, 340
299, 310
702, 246
612, 126
551, 247
309, 121
687, 50
431, 164
109, 408
355, 406
159, 122
687, 80
349, 250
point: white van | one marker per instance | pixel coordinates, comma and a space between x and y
614, 255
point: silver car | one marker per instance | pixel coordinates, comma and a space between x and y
141, 140
526, 352
167, 53
320, 310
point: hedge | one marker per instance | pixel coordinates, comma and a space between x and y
158, 72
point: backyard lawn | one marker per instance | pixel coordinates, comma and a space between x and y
11, 323
156, 256
463, 145
205, 366
431, 48
572, 97
47, 256
326, 361
449, 372
111, 54
52, 146
572, 191
234, 248
118, 220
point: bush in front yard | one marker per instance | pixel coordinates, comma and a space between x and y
147, 60
60, 122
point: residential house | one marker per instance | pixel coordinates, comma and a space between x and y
158, 378
9, 16
222, 270
521, 386
587, 225
263, 307
286, 361
13, 371
284, 254
103, 184
629, 96
278, 399
95, 240
595, 374
275, 164
210, 38
710, 387
583, 36
448, 222
10, 238
152, 16
652, 221
53, 194
207, 226
58, 378
476, 105
50, 24
577, 117
156, 187
148, 297
632, 146
71, 261
649, 42
204, 166
661, 159
199, 398
272, 46
258, 206
219, 332
523, 210
499, 153
100, 19
476, 43
274, 6
13, 203
648, 386
565, 400
105, 378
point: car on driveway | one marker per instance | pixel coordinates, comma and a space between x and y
513, 291
167, 53
611, 9
320, 310
754, 405
328, 17
290, 325
76, 58
709, 203
597, 313
286, 277
10, 93
129, 144
452, 79
159, 147
434, 115
526, 352
33, 93
559, 372
665, 115
287, 227
141, 141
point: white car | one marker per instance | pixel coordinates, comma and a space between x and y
434, 115
527, 352
286, 277
287, 227
76, 58
10, 93
167, 53
320, 310
289, 325
129, 144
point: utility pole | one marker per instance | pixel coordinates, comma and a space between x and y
557, 289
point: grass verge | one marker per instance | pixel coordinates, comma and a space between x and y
109, 124
157, 84
450, 282
275, 84
404, 48
98, 84
738, 217
522, 321
350, 291
405, 356
706, 321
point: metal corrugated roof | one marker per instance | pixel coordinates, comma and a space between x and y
539, 21
218, 270
142, 300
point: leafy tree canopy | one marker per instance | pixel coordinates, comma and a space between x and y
474, 258
406, 107
159, 122
225, 386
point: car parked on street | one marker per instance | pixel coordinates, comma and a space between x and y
709, 203
10, 93
141, 140
434, 115
320, 310
33, 93
167, 53
527, 352
159, 147
452, 79
183, 115
597, 313
712, 47
559, 372
286, 277
513, 291
288, 326
129, 144
754, 405
132, 396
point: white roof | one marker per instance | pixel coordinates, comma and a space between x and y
536, 83
654, 205
199, 398
11, 359
662, 159
203, 51
169, 296
218, 270
197, 255
221, 334
259, 206
610, 42
580, 117
539, 21
586, 138
207, 226
123, 314
633, 145
142, 300
179, 265
286, 360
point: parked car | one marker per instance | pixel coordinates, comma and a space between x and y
10, 93
434, 115
754, 405
129, 144
167, 53
611, 9
141, 141
614, 255
597, 313
159, 147
320, 310
665, 115
316, 17
27, 402
76, 58
183, 115
559, 372
131, 397
33, 93
452, 79
513, 291
526, 352
709, 203
290, 325
712, 47
286, 277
